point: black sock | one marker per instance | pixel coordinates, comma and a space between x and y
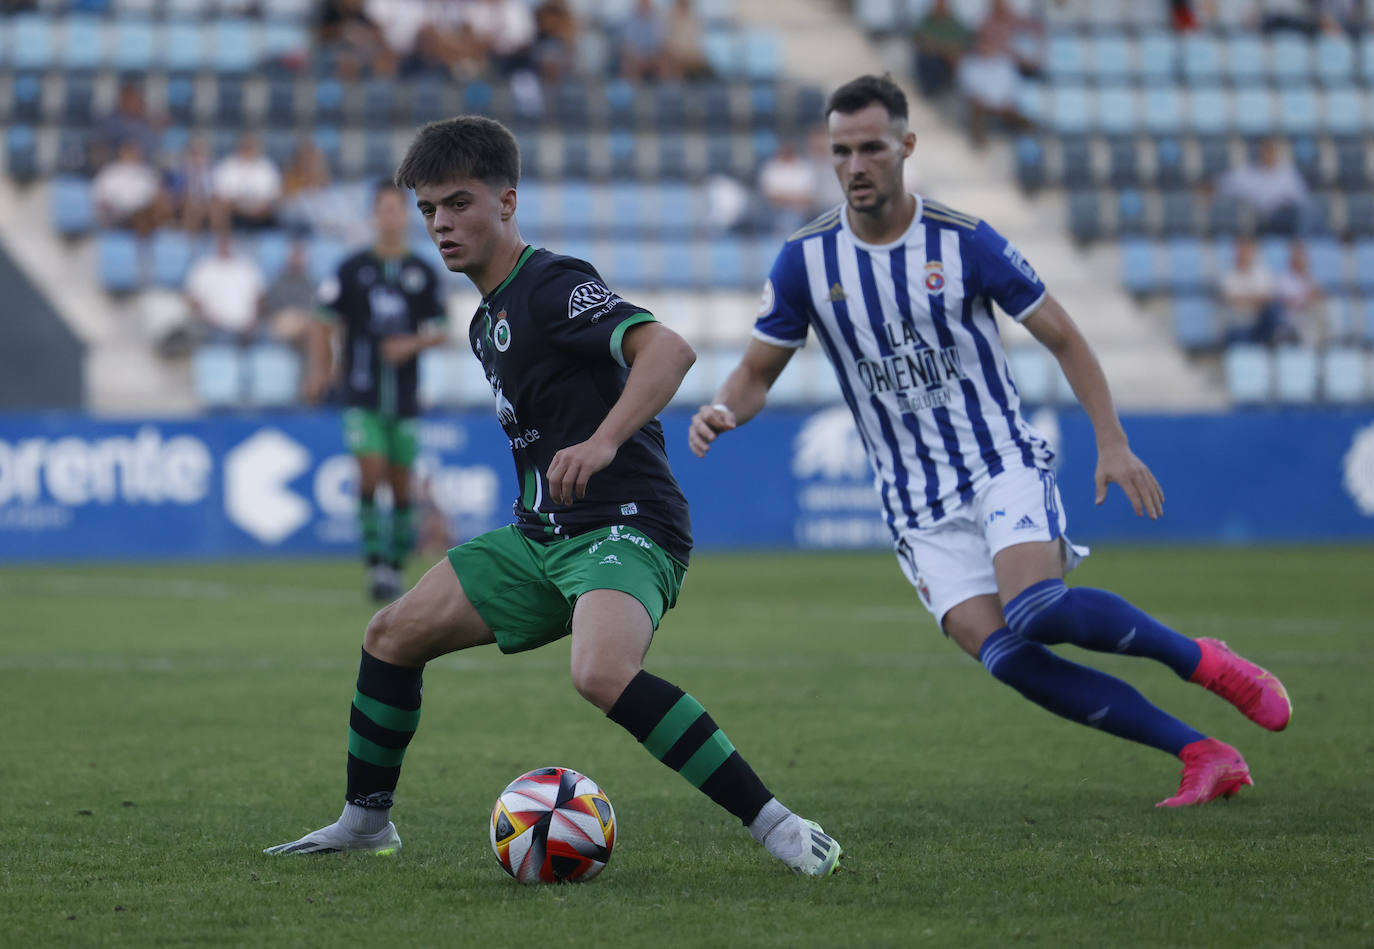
385, 714
674, 728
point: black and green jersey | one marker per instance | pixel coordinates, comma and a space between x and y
375, 297
549, 340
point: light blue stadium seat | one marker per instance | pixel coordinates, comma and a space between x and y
1299, 110
283, 39
234, 46
323, 256
1158, 56
274, 375
1071, 109
1343, 374
1334, 57
1138, 266
1032, 101
1291, 58
878, 16
1117, 110
1187, 265
1032, 373
1245, 58
1110, 58
731, 265
1249, 372
679, 209
183, 46
1326, 260
1208, 110
217, 375
118, 261
1363, 265
441, 373
579, 208
1067, 57
1253, 111
1162, 110
1367, 57
1295, 374
1346, 111
169, 258
73, 213
31, 41
1201, 58
83, 43
1195, 322
289, 11
272, 250
722, 52
21, 152
762, 56
631, 263
134, 45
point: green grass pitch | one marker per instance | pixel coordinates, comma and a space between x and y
162, 724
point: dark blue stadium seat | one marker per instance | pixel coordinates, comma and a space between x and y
281, 100
78, 96
1317, 217
763, 105
428, 100
181, 99
1307, 158
569, 106
1362, 261
21, 153
379, 159
27, 93
329, 139
74, 152
378, 102
809, 106
576, 160
1030, 162
118, 261
1352, 167
1178, 213
229, 100
1359, 214
624, 149
1123, 169
1367, 320
531, 157
329, 100
477, 96
620, 102
1170, 169
73, 213
669, 105
720, 154
1085, 215
1131, 213
1075, 162
1195, 322
1216, 156
672, 156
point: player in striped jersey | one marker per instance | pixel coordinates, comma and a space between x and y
898, 291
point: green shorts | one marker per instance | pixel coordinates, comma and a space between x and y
526, 590
368, 432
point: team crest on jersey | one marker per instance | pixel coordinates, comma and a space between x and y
500, 333
766, 304
837, 293
412, 279
1012, 254
591, 296
935, 277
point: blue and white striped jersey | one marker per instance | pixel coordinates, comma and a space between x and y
910, 331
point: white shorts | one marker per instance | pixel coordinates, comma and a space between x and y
952, 561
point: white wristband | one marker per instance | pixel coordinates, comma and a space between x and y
720, 407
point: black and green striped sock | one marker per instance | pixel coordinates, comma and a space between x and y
674, 728
402, 534
385, 714
370, 525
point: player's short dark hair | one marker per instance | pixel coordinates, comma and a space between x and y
863, 92
467, 146
384, 186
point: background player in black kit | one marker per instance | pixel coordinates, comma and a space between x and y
600, 545
386, 302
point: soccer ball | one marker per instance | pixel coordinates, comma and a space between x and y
553, 825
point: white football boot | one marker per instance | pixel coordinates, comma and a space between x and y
335, 839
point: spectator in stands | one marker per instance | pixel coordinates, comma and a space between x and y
641, 42
1250, 292
1271, 188
941, 39
289, 304
787, 183
247, 187
225, 290
506, 30
684, 53
129, 121
313, 204
828, 192
989, 75
189, 185
1303, 299
127, 192
555, 44
346, 33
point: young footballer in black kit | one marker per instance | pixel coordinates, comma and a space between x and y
602, 538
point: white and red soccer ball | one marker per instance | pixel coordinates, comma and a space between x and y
553, 825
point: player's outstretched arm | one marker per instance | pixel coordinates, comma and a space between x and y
740, 397
658, 359
1052, 326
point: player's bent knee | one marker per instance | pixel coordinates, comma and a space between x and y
601, 685
394, 637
